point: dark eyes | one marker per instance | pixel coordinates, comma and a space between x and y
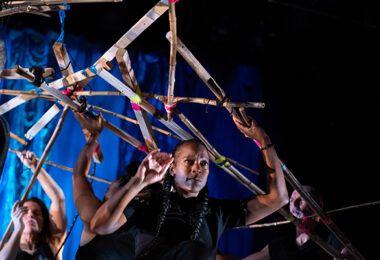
204, 163
191, 162
188, 161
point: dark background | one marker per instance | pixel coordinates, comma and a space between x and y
319, 62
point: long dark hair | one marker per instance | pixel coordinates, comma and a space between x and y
45, 236
199, 212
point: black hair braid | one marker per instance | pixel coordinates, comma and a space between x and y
166, 195
200, 214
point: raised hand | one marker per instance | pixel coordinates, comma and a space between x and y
17, 213
94, 126
252, 131
28, 159
154, 166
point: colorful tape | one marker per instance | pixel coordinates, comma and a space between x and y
143, 148
222, 162
136, 99
135, 107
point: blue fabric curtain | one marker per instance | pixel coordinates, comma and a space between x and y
29, 48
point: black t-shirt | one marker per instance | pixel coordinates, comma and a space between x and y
177, 228
43, 252
116, 246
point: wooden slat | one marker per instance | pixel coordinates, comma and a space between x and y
129, 78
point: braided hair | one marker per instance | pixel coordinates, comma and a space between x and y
199, 212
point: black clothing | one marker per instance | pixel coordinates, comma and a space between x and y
43, 252
285, 248
116, 246
174, 236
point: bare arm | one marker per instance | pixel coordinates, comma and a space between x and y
84, 198
10, 249
261, 255
54, 192
152, 169
277, 196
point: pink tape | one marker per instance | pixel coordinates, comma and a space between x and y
169, 109
135, 107
304, 227
66, 92
97, 148
173, 1
257, 143
326, 221
143, 148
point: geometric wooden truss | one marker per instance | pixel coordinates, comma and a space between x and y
40, 7
74, 84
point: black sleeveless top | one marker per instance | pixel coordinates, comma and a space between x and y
43, 252
118, 245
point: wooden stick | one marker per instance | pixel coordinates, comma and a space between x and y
130, 80
162, 98
67, 69
116, 83
317, 209
65, 168
203, 101
328, 212
132, 120
13, 73
172, 59
38, 168
245, 167
55, 2
19, 139
14, 102
204, 75
63, 59
152, 15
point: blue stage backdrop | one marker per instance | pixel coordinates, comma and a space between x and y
29, 48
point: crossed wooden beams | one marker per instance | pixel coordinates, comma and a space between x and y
129, 87
40, 7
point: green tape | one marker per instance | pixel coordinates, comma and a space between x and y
136, 99
222, 162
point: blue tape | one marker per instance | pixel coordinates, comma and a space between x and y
92, 69
62, 16
85, 73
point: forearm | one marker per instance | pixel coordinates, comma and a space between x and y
109, 213
277, 194
83, 162
84, 199
10, 249
50, 187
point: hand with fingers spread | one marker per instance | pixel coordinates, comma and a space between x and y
94, 126
153, 168
17, 214
28, 159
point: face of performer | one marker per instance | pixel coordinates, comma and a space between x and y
190, 169
298, 206
33, 219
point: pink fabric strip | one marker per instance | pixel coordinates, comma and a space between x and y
143, 148
135, 107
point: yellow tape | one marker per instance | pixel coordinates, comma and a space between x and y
136, 99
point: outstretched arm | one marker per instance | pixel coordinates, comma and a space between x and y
84, 198
277, 196
54, 192
109, 216
10, 249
